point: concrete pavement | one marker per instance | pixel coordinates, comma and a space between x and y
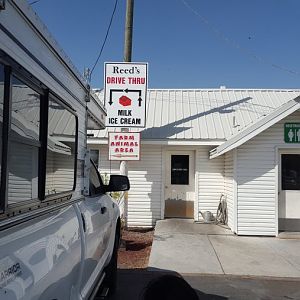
187, 247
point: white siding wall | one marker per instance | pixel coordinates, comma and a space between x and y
146, 180
210, 180
256, 175
144, 204
229, 187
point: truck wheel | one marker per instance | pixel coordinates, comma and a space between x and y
110, 280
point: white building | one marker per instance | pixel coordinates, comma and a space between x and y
199, 144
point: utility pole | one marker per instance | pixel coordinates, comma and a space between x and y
128, 31
127, 58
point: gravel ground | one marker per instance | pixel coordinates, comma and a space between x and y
135, 248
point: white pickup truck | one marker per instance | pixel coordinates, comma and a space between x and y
59, 228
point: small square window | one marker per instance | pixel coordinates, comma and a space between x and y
180, 169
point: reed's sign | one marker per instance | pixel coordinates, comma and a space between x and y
125, 94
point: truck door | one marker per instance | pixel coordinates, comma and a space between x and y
96, 213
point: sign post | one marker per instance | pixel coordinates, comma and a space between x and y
292, 133
125, 101
125, 94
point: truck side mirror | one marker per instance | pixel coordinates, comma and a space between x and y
118, 183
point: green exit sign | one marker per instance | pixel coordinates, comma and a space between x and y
292, 132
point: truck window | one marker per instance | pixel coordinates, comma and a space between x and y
23, 143
38, 144
95, 156
61, 149
95, 181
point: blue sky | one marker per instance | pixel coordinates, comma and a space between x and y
236, 43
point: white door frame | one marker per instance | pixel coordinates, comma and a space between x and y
165, 150
281, 149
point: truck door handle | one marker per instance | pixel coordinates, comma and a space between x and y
103, 209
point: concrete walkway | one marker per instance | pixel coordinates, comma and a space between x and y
187, 247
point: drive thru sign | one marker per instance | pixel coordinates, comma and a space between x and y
125, 94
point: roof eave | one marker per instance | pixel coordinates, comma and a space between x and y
167, 142
256, 128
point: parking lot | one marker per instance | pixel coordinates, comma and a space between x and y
217, 264
190, 248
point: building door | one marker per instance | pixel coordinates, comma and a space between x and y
289, 193
180, 184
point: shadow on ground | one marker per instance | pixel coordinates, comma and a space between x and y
131, 285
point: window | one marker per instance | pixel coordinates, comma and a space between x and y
95, 181
290, 171
1, 110
61, 149
180, 169
38, 144
23, 143
94, 156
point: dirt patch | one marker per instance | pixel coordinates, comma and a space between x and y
135, 248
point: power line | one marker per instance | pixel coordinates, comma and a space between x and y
105, 39
34, 2
234, 44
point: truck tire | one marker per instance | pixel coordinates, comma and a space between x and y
110, 280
